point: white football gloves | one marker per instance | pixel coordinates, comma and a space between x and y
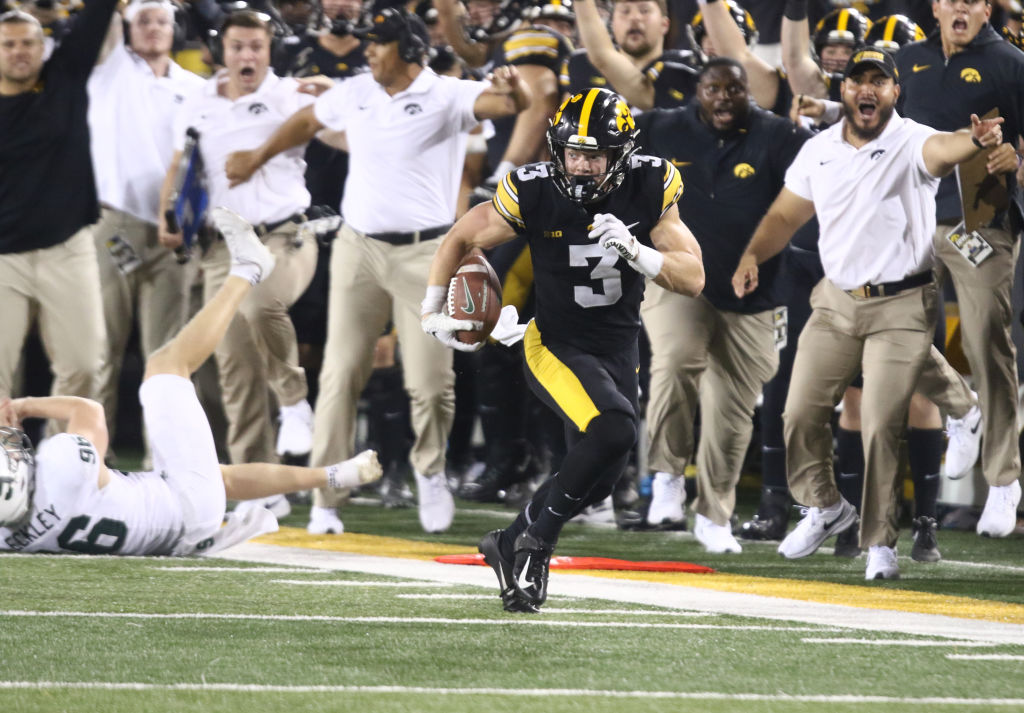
613, 234
443, 327
508, 331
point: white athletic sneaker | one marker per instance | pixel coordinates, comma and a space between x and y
964, 443
817, 526
250, 258
716, 539
882, 563
277, 504
437, 508
668, 496
599, 514
999, 518
324, 521
295, 437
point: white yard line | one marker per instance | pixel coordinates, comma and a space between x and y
984, 657
901, 642
650, 594
514, 620
516, 692
255, 570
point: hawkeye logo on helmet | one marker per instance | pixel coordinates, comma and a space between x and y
623, 119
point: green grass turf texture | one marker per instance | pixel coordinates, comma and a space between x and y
465, 656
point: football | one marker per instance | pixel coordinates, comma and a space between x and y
475, 293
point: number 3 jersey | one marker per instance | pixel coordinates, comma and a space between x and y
134, 514
587, 296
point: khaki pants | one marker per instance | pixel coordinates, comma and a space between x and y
986, 313
155, 292
372, 282
259, 347
722, 358
59, 286
889, 339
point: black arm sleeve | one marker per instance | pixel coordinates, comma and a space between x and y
81, 48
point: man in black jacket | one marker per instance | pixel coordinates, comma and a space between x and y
966, 68
48, 262
733, 158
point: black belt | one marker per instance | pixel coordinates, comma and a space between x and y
887, 289
416, 236
264, 229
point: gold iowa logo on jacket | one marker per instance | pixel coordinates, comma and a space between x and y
743, 170
969, 75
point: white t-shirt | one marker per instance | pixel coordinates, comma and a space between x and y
875, 204
134, 514
131, 124
278, 189
405, 151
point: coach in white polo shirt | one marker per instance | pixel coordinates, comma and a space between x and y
871, 180
237, 109
134, 93
405, 128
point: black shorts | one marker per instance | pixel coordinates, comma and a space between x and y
579, 385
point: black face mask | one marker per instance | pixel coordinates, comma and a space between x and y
341, 27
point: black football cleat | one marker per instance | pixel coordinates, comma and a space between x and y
530, 573
848, 542
926, 546
772, 517
503, 567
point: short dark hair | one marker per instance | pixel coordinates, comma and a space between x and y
249, 19
721, 62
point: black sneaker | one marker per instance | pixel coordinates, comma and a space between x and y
394, 489
530, 574
848, 542
926, 547
772, 517
502, 567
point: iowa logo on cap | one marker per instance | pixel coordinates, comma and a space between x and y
866, 55
970, 75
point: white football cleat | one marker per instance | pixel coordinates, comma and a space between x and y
964, 443
324, 521
717, 539
436, 505
295, 437
882, 563
598, 514
249, 256
817, 526
999, 518
668, 496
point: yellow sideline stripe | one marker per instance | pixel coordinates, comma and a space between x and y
863, 597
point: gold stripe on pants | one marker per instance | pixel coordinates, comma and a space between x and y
889, 339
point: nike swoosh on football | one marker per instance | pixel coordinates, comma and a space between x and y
470, 306
521, 580
920, 67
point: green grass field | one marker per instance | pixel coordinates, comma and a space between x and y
282, 628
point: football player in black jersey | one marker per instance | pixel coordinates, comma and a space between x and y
666, 78
836, 37
599, 219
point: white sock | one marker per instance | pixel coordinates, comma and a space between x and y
343, 475
248, 271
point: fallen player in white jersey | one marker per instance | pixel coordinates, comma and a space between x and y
64, 499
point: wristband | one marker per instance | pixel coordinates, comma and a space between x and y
648, 261
433, 302
974, 140
795, 10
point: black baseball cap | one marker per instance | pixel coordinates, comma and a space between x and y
392, 24
873, 57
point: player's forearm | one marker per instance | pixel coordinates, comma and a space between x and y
943, 151
770, 238
454, 247
474, 53
682, 272
802, 71
528, 134
61, 408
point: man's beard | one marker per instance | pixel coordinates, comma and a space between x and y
884, 114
